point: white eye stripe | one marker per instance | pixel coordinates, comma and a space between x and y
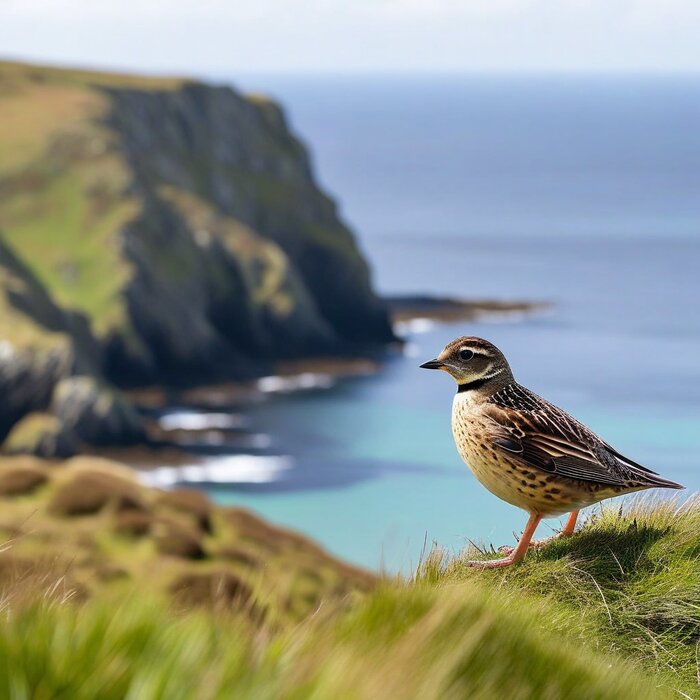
493, 374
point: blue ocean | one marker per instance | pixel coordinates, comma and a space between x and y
579, 191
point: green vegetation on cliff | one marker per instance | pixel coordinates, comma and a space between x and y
112, 589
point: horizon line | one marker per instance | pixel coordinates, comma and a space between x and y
221, 72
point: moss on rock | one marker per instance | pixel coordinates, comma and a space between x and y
43, 435
87, 493
19, 481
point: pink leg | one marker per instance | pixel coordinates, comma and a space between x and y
570, 524
518, 554
567, 531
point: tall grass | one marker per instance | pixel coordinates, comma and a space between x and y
612, 612
400, 642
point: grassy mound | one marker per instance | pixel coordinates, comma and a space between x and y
88, 524
260, 612
628, 582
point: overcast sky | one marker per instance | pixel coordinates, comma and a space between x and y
230, 36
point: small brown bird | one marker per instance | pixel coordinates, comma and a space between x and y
527, 451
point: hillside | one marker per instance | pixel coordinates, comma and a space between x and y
159, 231
153, 595
88, 524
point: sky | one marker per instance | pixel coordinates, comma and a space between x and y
210, 37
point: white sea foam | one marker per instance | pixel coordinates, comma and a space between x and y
296, 382
196, 420
414, 325
232, 469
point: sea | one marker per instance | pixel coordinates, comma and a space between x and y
580, 191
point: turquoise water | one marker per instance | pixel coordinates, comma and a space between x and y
582, 192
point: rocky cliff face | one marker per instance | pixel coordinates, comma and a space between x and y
161, 231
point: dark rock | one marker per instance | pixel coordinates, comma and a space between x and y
236, 242
40, 344
42, 435
95, 413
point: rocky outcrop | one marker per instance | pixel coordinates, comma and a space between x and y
160, 231
39, 342
43, 435
234, 242
95, 414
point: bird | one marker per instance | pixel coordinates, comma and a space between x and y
526, 450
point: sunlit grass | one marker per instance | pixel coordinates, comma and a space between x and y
629, 582
609, 613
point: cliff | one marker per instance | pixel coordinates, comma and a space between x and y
161, 231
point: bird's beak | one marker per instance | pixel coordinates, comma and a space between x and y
433, 364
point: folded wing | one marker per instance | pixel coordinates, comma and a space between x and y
545, 437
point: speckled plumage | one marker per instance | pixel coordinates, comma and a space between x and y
478, 423
524, 449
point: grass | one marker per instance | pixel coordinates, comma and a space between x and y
106, 534
628, 583
63, 184
613, 612
397, 644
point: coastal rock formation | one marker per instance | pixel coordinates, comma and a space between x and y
161, 231
95, 414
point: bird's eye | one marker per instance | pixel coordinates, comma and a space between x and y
465, 355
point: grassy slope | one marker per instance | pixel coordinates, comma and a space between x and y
89, 525
610, 613
63, 183
63, 186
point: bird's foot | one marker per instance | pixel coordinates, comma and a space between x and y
492, 563
507, 550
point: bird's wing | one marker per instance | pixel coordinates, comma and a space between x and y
543, 436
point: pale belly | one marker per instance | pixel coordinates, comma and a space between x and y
522, 486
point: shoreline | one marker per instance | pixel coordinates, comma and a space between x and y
407, 308
407, 314
184, 427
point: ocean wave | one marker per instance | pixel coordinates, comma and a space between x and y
196, 420
297, 382
232, 469
414, 325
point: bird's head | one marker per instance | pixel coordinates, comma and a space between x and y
474, 363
